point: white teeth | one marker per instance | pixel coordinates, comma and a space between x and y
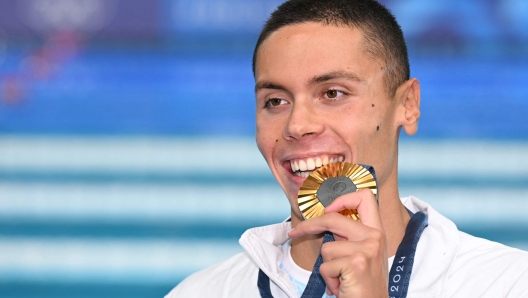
318, 162
295, 166
302, 174
302, 165
310, 164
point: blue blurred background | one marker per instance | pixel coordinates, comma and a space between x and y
127, 155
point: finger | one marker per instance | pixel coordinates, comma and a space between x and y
336, 223
331, 273
365, 203
328, 292
340, 277
356, 275
371, 247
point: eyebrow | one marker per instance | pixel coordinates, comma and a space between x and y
335, 75
268, 85
315, 80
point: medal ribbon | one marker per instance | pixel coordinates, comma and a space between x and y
400, 273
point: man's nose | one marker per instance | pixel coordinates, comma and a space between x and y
303, 121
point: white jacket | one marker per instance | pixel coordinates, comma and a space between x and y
448, 263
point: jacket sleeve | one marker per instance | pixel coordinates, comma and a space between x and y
235, 277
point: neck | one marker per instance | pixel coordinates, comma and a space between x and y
394, 218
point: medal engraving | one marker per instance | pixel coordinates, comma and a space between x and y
332, 188
329, 182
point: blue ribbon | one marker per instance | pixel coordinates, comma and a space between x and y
400, 273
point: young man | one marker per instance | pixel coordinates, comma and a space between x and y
332, 84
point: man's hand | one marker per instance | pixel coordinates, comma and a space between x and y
355, 265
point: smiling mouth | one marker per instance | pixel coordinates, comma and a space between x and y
305, 166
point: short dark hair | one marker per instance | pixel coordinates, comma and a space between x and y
383, 37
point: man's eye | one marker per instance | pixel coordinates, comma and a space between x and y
333, 94
275, 102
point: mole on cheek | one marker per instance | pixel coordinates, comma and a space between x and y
276, 140
377, 128
372, 105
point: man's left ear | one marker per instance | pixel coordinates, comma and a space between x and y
408, 97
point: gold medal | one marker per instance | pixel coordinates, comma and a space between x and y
327, 183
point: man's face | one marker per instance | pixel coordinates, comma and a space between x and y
321, 99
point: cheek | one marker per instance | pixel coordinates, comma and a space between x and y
265, 141
364, 132
268, 129
380, 142
354, 127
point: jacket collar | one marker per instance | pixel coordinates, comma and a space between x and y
435, 254
263, 245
